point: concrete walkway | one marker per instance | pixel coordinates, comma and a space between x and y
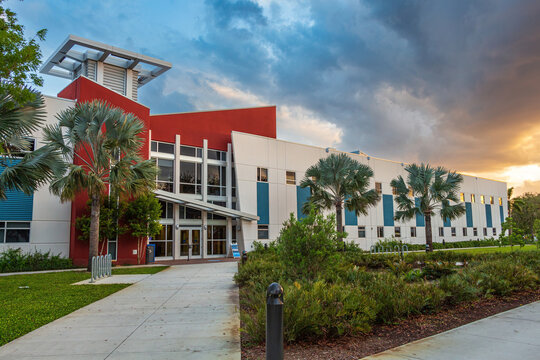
183, 312
514, 334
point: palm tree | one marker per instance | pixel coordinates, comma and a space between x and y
337, 181
21, 167
101, 143
435, 187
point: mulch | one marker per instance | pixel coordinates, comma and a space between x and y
384, 337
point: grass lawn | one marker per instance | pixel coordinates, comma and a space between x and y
503, 249
49, 297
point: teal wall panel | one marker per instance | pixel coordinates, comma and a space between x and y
388, 210
501, 213
18, 206
350, 218
263, 205
468, 214
489, 221
447, 222
420, 221
302, 196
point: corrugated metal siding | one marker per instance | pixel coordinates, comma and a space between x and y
489, 220
134, 85
263, 204
114, 78
17, 206
388, 210
302, 196
468, 213
420, 221
91, 70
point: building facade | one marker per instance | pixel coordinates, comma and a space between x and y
224, 176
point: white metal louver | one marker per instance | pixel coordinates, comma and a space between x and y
91, 69
114, 78
134, 85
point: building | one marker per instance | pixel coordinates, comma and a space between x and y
224, 177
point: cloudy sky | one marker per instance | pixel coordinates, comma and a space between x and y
455, 82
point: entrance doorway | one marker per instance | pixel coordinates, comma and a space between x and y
190, 243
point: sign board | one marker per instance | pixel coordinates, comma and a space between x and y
235, 251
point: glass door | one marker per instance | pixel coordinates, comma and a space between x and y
190, 243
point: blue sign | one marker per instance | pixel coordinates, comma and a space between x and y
235, 251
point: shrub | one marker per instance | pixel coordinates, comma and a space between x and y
434, 269
458, 289
307, 246
14, 260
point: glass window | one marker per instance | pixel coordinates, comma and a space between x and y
475, 231
216, 180
482, 199
413, 231
380, 231
153, 146
500, 201
193, 213
187, 151
217, 155
166, 209
262, 174
411, 193
162, 147
217, 240
397, 231
291, 177
361, 231
394, 191
464, 231
166, 175
164, 241
441, 231
378, 187
494, 232
453, 231
485, 231
262, 232
462, 197
491, 200
472, 198
14, 232
190, 177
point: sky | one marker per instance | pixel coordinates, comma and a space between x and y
453, 83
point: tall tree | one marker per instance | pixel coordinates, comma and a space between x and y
339, 181
104, 144
142, 218
437, 188
524, 210
19, 58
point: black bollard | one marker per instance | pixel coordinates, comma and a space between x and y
244, 257
274, 322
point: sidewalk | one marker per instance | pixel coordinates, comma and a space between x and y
183, 312
514, 334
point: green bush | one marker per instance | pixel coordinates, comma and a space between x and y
308, 246
14, 260
458, 289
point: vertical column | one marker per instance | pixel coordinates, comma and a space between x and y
204, 235
129, 83
176, 180
99, 72
149, 143
176, 189
228, 177
229, 235
204, 170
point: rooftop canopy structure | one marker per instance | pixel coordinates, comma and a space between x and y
121, 70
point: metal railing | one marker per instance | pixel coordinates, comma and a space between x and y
101, 267
389, 250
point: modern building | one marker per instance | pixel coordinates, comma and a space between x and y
224, 176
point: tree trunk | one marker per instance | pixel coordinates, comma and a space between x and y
94, 229
339, 221
429, 235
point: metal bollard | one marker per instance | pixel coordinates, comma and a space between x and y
274, 322
244, 257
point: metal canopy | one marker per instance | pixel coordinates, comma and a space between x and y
65, 60
204, 206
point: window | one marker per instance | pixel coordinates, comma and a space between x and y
482, 199
500, 201
233, 185
217, 240
166, 209
475, 232
217, 155
397, 231
453, 231
413, 231
380, 231
262, 232
165, 176
162, 147
394, 191
464, 231
411, 193
485, 231
361, 231
462, 197
491, 200
494, 232
190, 177
378, 187
188, 213
190, 151
472, 198
217, 180
216, 216
262, 174
164, 241
441, 231
291, 177
14, 232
